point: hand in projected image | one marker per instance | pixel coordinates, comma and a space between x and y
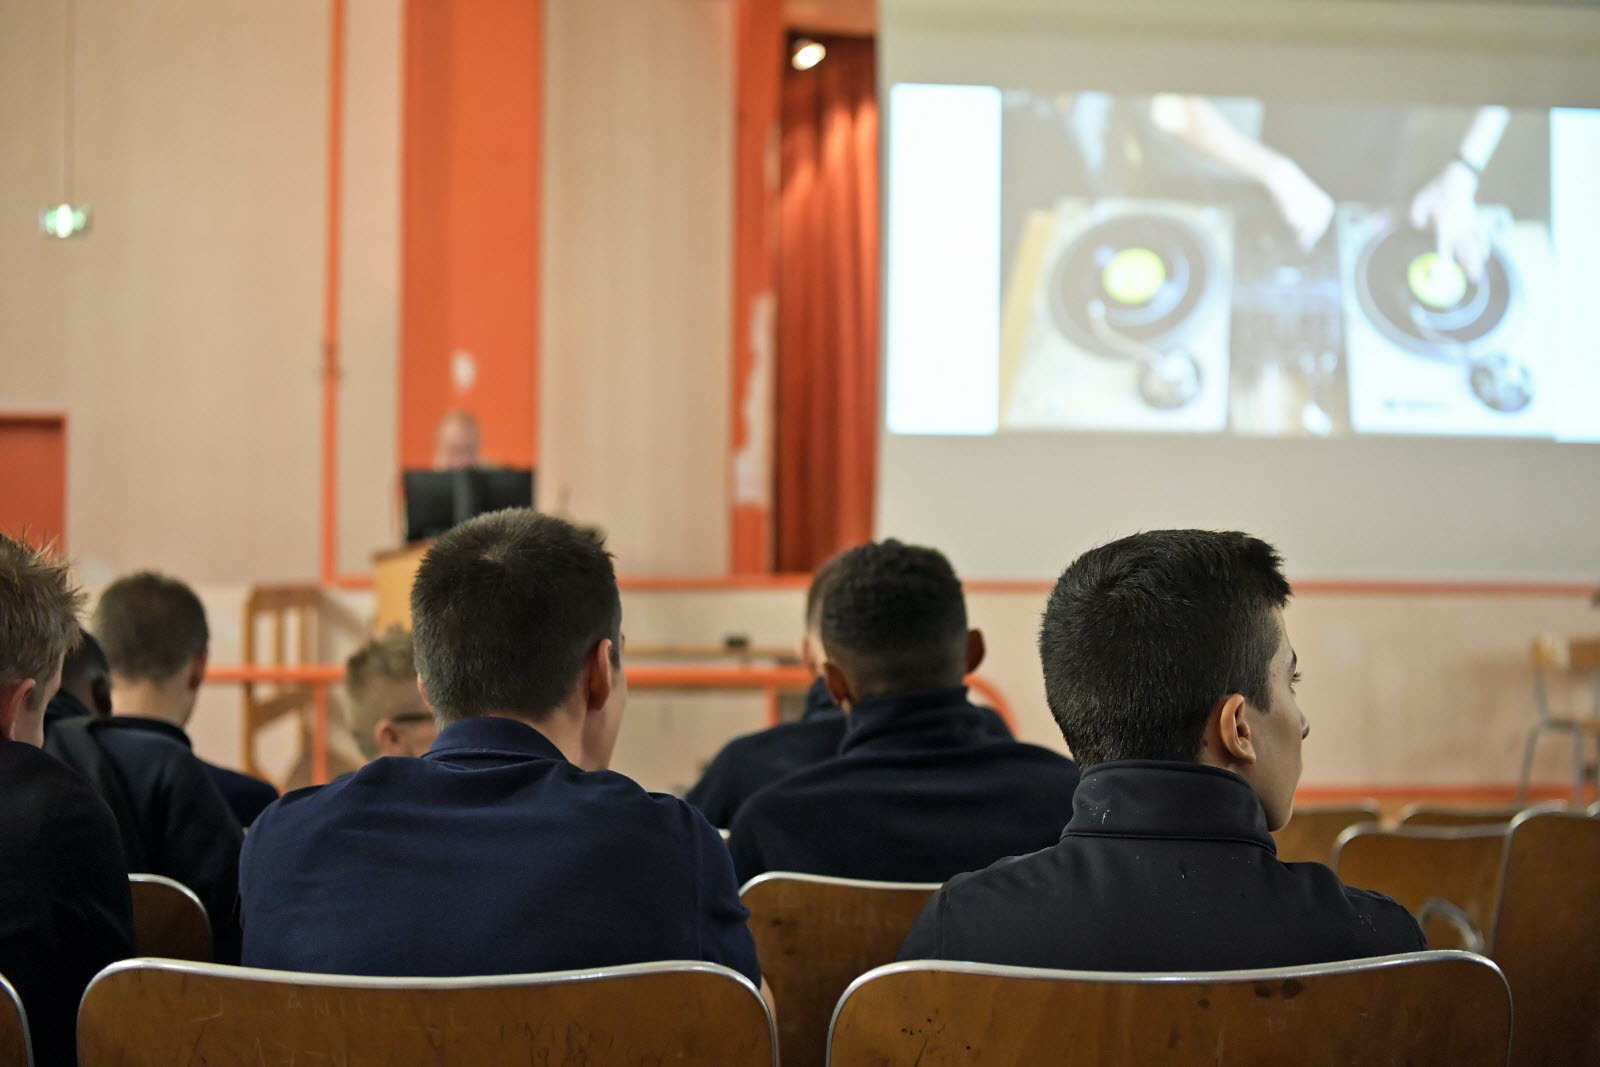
1449, 205
1306, 207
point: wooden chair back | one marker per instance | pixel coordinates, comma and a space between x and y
1418, 864
289, 615
1313, 830
168, 920
816, 935
16, 1045
1426, 1007
1547, 936
145, 1013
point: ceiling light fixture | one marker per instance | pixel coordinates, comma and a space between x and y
807, 53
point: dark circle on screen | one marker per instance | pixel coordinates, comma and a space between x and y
1386, 296
1077, 281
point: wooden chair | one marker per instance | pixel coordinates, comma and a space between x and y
1416, 815
280, 608
1424, 1007
1547, 936
168, 920
1312, 830
145, 1013
816, 935
1448, 877
16, 1045
1558, 655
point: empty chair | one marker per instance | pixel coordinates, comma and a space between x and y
1427, 815
159, 1012
814, 936
16, 1050
1547, 936
1558, 655
1312, 830
1424, 1007
1423, 866
169, 920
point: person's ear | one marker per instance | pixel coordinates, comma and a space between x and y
423, 693
838, 683
597, 676
197, 669
976, 648
14, 697
386, 737
1233, 729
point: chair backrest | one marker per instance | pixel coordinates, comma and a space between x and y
1313, 829
1414, 815
169, 920
16, 1046
159, 1012
1547, 936
1553, 654
1425, 1007
816, 935
1417, 864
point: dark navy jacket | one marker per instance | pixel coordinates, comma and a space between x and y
1164, 867
65, 910
490, 855
750, 763
919, 791
173, 820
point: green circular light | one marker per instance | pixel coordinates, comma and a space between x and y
1133, 276
1437, 281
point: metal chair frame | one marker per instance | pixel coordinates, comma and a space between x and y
1577, 656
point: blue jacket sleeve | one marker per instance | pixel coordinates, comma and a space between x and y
724, 930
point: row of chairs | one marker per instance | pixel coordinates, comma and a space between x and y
816, 936
1435, 1007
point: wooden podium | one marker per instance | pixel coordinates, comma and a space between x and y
393, 573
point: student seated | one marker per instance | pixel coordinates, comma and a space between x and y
508, 847
387, 714
753, 762
1168, 668
157, 642
174, 821
85, 684
921, 788
65, 909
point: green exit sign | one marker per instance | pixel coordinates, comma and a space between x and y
64, 220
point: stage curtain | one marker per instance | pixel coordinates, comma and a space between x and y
826, 399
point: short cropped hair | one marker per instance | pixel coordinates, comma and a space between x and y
894, 617
85, 661
1141, 637
151, 625
39, 608
817, 591
378, 677
505, 609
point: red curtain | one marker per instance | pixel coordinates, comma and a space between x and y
827, 357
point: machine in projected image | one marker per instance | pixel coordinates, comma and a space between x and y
1434, 350
1117, 319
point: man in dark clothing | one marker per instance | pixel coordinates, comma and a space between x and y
156, 640
65, 910
1168, 668
509, 847
921, 788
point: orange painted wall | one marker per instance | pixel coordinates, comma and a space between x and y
33, 478
471, 186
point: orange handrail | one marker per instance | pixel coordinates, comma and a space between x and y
769, 680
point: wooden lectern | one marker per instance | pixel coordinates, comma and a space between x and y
393, 573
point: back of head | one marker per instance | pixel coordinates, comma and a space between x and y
152, 627
38, 617
817, 591
505, 609
1141, 637
87, 675
381, 683
894, 619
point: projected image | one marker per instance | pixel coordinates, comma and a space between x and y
1193, 264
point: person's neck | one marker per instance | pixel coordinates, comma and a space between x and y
561, 730
169, 702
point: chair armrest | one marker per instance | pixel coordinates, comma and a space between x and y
1441, 909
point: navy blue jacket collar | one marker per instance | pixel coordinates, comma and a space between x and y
934, 718
819, 703
1156, 798
154, 726
491, 734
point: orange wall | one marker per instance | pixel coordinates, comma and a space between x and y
33, 478
473, 118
